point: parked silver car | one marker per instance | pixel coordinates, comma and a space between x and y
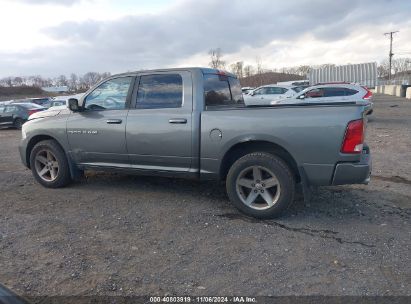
264, 95
332, 92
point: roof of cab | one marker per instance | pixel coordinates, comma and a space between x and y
203, 70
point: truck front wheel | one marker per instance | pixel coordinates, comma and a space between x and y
49, 164
260, 185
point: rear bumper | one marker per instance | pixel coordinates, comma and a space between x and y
354, 173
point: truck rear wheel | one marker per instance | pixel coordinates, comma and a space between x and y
49, 164
260, 185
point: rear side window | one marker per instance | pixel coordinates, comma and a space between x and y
349, 92
335, 92
220, 90
160, 91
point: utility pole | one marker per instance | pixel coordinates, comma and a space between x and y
390, 53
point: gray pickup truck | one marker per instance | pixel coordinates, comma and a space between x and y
192, 123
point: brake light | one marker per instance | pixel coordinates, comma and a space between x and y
368, 95
32, 111
354, 137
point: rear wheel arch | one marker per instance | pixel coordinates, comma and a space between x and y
240, 149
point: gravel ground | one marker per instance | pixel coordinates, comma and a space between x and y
114, 234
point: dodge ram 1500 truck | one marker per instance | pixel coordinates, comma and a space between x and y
192, 123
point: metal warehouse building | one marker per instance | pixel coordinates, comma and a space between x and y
363, 73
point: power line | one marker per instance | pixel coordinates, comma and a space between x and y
390, 54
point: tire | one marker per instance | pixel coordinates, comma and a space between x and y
49, 156
274, 184
18, 123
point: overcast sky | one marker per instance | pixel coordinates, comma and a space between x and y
53, 37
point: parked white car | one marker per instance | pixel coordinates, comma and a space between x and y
332, 92
59, 101
264, 95
246, 90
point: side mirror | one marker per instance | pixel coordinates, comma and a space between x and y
252, 93
73, 105
301, 96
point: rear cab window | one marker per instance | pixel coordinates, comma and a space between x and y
222, 91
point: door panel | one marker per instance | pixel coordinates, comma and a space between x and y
160, 138
97, 135
94, 141
7, 117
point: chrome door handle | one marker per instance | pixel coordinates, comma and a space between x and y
114, 121
177, 121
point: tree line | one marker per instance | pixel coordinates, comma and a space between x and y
74, 82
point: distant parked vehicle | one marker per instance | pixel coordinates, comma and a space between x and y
246, 90
332, 92
264, 95
45, 101
16, 114
57, 103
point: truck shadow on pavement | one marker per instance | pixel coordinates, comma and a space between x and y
332, 203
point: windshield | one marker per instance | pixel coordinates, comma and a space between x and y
297, 89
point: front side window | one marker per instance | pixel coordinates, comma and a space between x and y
160, 91
298, 89
314, 93
220, 90
110, 95
261, 91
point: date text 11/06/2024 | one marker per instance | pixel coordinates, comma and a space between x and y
204, 299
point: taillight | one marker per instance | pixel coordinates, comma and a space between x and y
354, 137
32, 111
368, 95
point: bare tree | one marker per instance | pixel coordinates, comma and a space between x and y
401, 65
73, 82
237, 69
248, 70
259, 70
303, 70
18, 81
62, 80
216, 61
382, 69
91, 78
8, 81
